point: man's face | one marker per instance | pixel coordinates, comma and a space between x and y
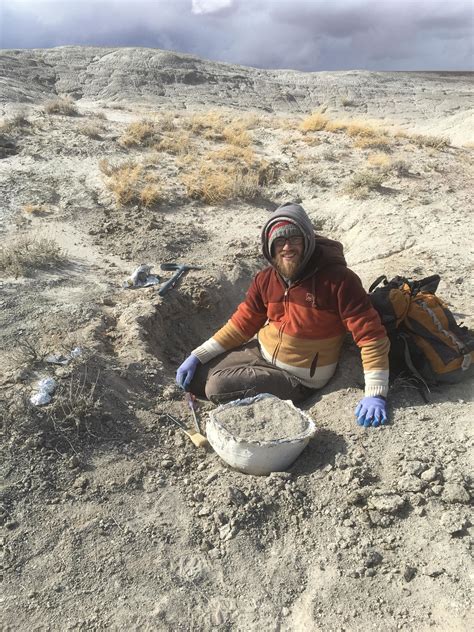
287, 255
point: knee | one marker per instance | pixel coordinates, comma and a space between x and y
222, 388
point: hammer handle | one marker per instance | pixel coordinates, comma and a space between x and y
169, 285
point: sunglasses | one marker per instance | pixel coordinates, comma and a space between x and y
296, 240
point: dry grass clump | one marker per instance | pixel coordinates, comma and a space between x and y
234, 154
329, 154
385, 164
61, 105
139, 133
362, 183
210, 125
176, 144
347, 102
12, 123
27, 254
150, 195
35, 209
130, 184
236, 134
373, 142
167, 122
76, 404
218, 126
436, 142
316, 122
91, 130
213, 185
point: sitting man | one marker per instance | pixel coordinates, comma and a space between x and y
299, 308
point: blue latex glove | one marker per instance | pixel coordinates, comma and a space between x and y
186, 371
371, 411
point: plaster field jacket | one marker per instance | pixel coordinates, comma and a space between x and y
301, 327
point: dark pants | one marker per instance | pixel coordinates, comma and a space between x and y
244, 373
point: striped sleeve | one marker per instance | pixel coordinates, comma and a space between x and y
363, 321
245, 322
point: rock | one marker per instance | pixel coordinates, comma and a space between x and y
74, 462
236, 496
429, 475
212, 477
414, 467
224, 531
386, 503
373, 558
285, 475
81, 482
455, 522
167, 464
433, 570
409, 573
455, 493
205, 511
410, 484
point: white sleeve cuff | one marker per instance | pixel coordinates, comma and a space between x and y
208, 350
376, 383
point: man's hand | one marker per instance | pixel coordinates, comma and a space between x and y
371, 411
186, 371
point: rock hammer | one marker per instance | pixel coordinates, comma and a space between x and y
180, 270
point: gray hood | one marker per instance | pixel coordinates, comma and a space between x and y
296, 214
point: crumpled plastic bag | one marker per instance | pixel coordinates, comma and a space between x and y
63, 359
142, 277
45, 388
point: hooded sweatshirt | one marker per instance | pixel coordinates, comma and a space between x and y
301, 324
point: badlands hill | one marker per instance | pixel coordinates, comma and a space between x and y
110, 158
433, 102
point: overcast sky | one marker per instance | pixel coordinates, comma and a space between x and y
299, 34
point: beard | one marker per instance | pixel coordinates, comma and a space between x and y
287, 269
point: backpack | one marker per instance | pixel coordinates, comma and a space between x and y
425, 339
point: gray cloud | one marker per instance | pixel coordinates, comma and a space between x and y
301, 34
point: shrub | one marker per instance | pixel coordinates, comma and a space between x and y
437, 142
140, 133
14, 122
347, 102
236, 135
130, 184
402, 167
177, 144
314, 123
362, 183
91, 131
26, 254
384, 164
336, 126
150, 195
166, 122
61, 105
233, 153
372, 142
124, 183
212, 186
210, 125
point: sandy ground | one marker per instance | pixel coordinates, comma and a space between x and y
112, 518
